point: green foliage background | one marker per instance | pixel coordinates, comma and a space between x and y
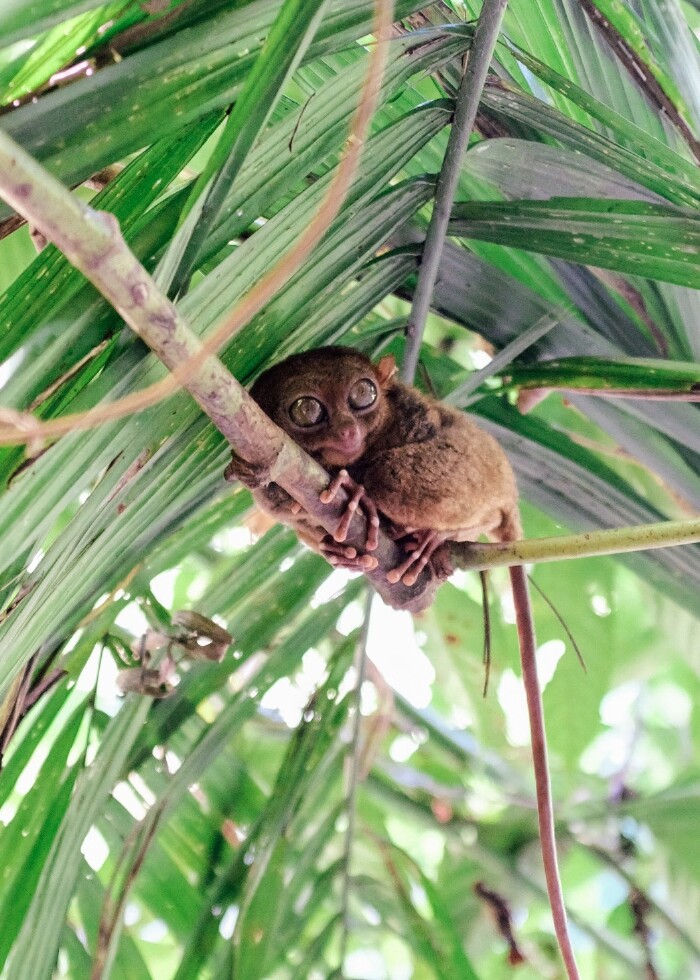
212, 829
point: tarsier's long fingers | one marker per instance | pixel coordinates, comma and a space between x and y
342, 556
359, 498
421, 550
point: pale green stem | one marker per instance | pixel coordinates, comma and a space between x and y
643, 537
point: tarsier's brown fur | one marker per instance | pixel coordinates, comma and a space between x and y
427, 467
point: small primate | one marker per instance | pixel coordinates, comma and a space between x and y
426, 467
433, 473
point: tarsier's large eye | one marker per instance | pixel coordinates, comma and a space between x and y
362, 394
307, 411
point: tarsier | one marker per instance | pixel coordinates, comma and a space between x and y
426, 467
431, 472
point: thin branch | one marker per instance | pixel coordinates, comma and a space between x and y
545, 805
21, 698
468, 96
10, 225
642, 537
42, 687
502, 916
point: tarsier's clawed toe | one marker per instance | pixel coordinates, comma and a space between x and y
358, 498
420, 546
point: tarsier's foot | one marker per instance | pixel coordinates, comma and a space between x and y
345, 556
358, 498
441, 562
421, 545
251, 475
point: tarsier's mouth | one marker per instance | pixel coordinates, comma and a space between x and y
344, 449
339, 456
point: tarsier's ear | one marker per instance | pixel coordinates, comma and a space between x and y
385, 368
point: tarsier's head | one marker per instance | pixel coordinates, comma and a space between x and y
331, 401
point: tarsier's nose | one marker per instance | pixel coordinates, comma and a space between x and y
349, 436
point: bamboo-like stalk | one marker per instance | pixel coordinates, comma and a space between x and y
479, 556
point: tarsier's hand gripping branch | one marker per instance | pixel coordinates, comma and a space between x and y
426, 467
